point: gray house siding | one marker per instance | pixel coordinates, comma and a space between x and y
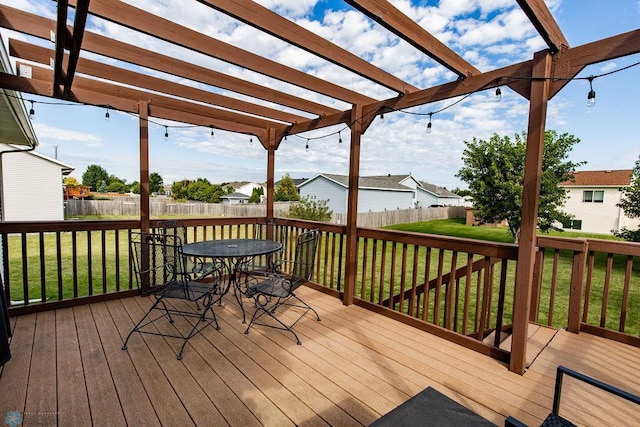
324, 189
375, 200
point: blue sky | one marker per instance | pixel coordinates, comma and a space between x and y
487, 33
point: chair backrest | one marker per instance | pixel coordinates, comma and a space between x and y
305, 257
173, 227
276, 230
157, 261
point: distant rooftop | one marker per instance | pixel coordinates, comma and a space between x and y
621, 177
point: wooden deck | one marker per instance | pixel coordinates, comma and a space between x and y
352, 367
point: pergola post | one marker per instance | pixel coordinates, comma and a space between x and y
145, 213
352, 205
271, 167
531, 190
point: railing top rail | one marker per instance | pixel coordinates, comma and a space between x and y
72, 225
595, 245
479, 247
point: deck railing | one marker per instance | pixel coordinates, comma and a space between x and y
459, 289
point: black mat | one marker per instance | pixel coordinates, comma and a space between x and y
431, 408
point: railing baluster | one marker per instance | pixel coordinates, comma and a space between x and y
43, 273
501, 296
25, 269
449, 292
554, 286
74, 246
427, 289
365, 256
625, 293
392, 287
89, 263
59, 266
382, 271
534, 312
103, 235
374, 257
116, 238
605, 291
413, 310
403, 277
467, 294
436, 297
587, 289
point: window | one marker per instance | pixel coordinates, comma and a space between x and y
573, 224
590, 196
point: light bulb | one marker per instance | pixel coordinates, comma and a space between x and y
429, 127
498, 95
166, 133
381, 116
32, 112
107, 117
339, 139
211, 132
307, 146
251, 140
591, 98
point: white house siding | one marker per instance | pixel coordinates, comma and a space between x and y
324, 189
32, 188
374, 200
425, 199
598, 218
248, 188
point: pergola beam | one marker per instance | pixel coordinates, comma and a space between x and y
30, 52
164, 29
61, 41
568, 64
260, 17
541, 18
40, 27
385, 14
79, 22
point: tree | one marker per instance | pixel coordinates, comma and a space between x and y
70, 181
630, 204
118, 187
94, 175
103, 187
256, 195
494, 171
286, 190
155, 183
311, 209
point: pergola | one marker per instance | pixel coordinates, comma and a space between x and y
68, 75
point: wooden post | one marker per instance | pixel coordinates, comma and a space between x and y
271, 167
530, 194
145, 213
352, 205
575, 293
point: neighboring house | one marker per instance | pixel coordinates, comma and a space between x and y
375, 193
433, 195
592, 199
245, 187
36, 195
234, 198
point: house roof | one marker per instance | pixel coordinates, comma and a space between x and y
437, 190
604, 178
384, 182
235, 195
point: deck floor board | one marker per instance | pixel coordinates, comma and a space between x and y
352, 367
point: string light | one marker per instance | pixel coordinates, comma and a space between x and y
107, 117
591, 96
429, 124
251, 140
382, 116
340, 138
211, 132
32, 112
307, 146
498, 95
166, 132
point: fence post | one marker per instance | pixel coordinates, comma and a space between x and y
575, 292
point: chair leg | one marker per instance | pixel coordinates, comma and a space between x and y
307, 306
270, 310
139, 325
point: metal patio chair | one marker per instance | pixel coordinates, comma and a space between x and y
271, 263
276, 290
198, 269
160, 271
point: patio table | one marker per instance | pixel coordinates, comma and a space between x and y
232, 253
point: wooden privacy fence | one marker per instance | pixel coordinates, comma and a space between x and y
130, 206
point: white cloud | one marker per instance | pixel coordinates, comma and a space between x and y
46, 132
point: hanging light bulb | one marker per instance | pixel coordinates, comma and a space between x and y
166, 133
211, 132
251, 140
498, 95
307, 146
107, 117
32, 112
285, 137
429, 124
382, 116
591, 96
340, 139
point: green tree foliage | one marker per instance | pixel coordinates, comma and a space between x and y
155, 183
94, 175
461, 192
118, 187
494, 171
256, 194
286, 190
311, 209
103, 187
630, 204
135, 187
200, 190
